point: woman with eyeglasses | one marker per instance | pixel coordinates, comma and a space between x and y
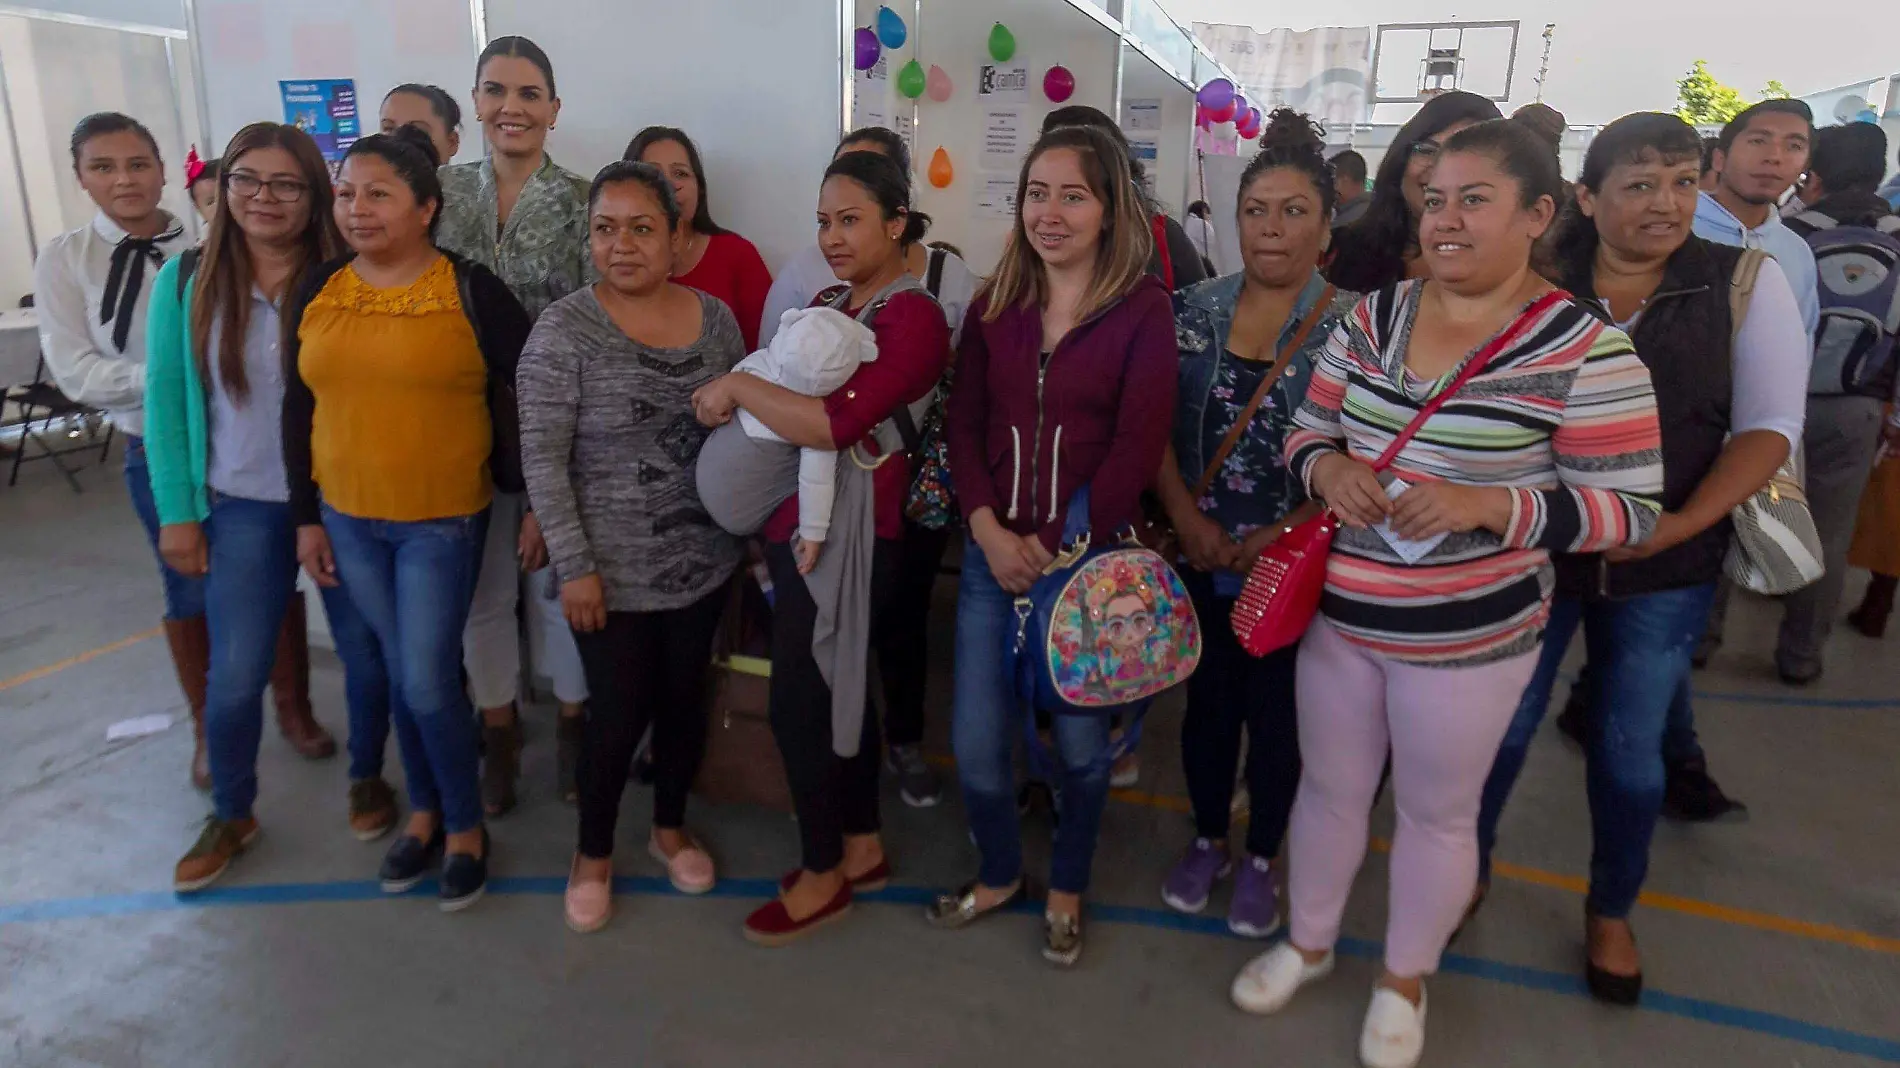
523, 217
214, 440
1382, 249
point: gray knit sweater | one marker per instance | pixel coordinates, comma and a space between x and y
608, 448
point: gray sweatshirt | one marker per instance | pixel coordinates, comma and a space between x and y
608, 448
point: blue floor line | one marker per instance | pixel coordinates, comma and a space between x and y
1710, 1012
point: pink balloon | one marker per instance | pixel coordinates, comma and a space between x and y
937, 84
1224, 113
1200, 116
1058, 85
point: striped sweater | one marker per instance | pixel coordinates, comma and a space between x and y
1564, 417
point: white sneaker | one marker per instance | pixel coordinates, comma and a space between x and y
1270, 980
1394, 1035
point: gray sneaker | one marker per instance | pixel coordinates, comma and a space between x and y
917, 781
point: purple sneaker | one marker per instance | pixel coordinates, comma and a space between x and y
1192, 880
1255, 910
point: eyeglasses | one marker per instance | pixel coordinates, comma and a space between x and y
247, 186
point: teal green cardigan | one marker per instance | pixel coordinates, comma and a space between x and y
174, 404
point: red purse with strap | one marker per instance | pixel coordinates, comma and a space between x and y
1283, 588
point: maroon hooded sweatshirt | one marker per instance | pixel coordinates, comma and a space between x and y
1025, 436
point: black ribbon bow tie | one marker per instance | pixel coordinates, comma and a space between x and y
126, 278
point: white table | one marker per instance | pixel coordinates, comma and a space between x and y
19, 347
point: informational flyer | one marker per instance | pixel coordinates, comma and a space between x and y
1141, 114
1002, 85
325, 109
870, 96
1003, 143
996, 197
907, 129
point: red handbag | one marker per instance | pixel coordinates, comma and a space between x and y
1283, 588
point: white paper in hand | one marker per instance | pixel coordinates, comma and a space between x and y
1409, 550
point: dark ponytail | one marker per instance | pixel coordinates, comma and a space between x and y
440, 102
410, 151
888, 184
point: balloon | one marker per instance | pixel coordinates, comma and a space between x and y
1215, 95
1058, 85
910, 80
1240, 107
1868, 115
1002, 43
937, 84
891, 31
1224, 113
867, 48
1255, 119
941, 173
1200, 116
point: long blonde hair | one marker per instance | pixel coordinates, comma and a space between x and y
1127, 242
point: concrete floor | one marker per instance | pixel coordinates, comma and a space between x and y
1778, 943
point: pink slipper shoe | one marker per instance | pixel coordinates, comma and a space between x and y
589, 903
690, 870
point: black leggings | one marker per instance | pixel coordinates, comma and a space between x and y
644, 668
903, 638
832, 796
1230, 691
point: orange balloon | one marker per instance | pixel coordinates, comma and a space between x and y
941, 173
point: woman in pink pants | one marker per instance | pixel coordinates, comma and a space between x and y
1438, 585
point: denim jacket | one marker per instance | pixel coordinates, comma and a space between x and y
1203, 316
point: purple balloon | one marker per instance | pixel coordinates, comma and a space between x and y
1215, 94
1254, 118
868, 48
1240, 108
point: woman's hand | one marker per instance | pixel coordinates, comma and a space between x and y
532, 548
182, 546
1671, 530
313, 552
584, 603
1206, 546
1015, 562
1433, 508
713, 403
1351, 489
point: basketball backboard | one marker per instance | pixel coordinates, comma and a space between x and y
1415, 61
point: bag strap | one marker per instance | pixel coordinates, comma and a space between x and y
933, 271
1470, 371
1282, 361
188, 266
1741, 291
1159, 224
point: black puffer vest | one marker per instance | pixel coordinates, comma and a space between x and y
1683, 336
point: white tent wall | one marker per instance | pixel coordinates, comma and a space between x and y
1171, 170
757, 86
955, 35
248, 46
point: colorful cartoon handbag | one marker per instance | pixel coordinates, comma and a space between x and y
931, 502
1105, 627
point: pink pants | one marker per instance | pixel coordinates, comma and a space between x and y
1443, 727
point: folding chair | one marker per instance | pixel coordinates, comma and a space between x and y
43, 402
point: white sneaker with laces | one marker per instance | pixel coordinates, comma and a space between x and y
1270, 980
1394, 1035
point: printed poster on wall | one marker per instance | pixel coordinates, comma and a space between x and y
1002, 85
1002, 139
996, 197
870, 95
326, 110
907, 129
1141, 114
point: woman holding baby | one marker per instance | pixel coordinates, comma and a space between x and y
831, 594
609, 443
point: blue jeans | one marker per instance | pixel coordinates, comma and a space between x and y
253, 555
184, 595
1639, 652
986, 725
413, 582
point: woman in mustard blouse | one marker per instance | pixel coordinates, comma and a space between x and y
399, 426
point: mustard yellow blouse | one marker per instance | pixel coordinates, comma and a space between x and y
401, 428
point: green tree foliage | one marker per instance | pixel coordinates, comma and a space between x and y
1701, 99
1774, 90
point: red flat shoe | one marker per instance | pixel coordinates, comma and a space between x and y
869, 883
771, 925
